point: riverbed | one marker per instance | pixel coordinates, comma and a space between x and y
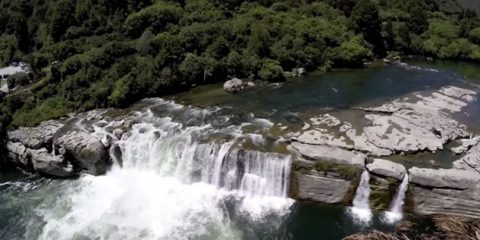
169, 186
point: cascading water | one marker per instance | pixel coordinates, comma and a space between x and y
175, 182
396, 208
361, 202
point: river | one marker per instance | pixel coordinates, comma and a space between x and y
210, 165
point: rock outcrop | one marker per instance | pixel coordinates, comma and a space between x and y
47, 150
320, 189
445, 191
415, 123
40, 160
37, 137
85, 151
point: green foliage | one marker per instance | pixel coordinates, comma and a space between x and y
271, 71
417, 22
351, 53
474, 35
365, 19
18, 79
8, 46
51, 108
158, 16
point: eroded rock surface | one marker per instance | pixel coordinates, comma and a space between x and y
86, 151
36, 137
417, 122
333, 154
40, 160
471, 161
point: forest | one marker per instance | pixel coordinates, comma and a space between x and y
89, 54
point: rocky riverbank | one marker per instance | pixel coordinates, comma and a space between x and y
335, 151
64, 148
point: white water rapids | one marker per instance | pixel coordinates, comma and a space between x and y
396, 208
177, 182
361, 202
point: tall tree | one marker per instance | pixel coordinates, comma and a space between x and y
366, 21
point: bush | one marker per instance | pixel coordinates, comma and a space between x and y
271, 71
352, 53
51, 108
474, 35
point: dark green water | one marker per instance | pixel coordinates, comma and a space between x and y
29, 204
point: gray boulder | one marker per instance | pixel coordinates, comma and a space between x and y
236, 85
18, 153
51, 165
387, 169
298, 72
36, 137
85, 151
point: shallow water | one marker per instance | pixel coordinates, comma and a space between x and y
180, 187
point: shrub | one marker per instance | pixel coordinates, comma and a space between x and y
271, 71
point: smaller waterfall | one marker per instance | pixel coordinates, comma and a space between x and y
396, 207
361, 203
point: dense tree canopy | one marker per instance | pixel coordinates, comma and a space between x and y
101, 53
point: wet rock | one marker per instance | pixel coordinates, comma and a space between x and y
118, 133
85, 151
336, 155
321, 189
387, 168
40, 160
51, 165
18, 153
37, 137
107, 140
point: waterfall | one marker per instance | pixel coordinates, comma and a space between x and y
361, 202
175, 181
396, 207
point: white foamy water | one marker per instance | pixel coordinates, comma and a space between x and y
175, 183
361, 203
396, 208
